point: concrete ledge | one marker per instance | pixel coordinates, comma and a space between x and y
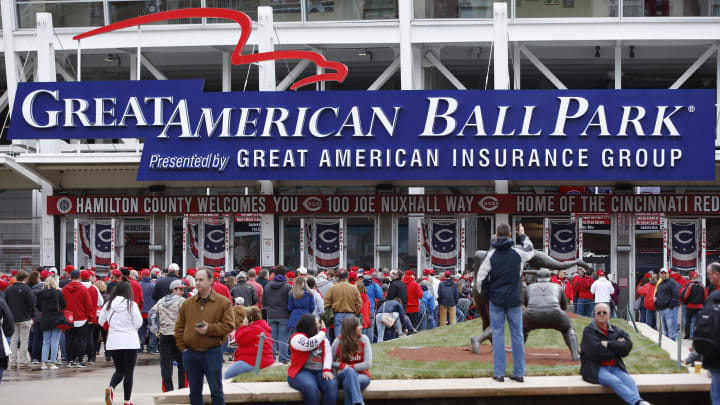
453, 388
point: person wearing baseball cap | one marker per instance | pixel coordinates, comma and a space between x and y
414, 295
166, 312
692, 295
220, 287
244, 290
352, 277
162, 287
448, 298
97, 299
603, 290
667, 303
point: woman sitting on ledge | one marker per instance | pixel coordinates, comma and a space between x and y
310, 361
352, 357
602, 348
247, 337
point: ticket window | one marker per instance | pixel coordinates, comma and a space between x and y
136, 243
712, 250
648, 247
291, 242
596, 245
246, 244
534, 229
360, 241
406, 258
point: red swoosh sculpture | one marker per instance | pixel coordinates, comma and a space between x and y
237, 58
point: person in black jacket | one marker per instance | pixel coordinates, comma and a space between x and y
275, 302
19, 298
50, 302
7, 328
667, 303
397, 289
162, 287
448, 297
601, 351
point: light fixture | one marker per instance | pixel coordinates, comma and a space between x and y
632, 51
597, 51
363, 52
110, 58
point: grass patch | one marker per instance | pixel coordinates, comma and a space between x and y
646, 358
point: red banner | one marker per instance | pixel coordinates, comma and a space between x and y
527, 204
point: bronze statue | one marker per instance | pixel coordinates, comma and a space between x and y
540, 260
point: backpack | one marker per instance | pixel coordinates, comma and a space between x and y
707, 329
692, 293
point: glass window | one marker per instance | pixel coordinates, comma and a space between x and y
291, 242
63, 14
406, 260
565, 8
283, 10
351, 10
122, 10
712, 232
534, 229
454, 9
19, 245
668, 8
596, 243
246, 242
648, 246
360, 242
137, 242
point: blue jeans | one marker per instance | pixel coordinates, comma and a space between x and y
308, 382
353, 384
208, 365
620, 382
459, 316
2, 371
381, 326
670, 322
237, 368
63, 352
281, 338
50, 341
584, 307
651, 318
643, 314
714, 385
497, 323
339, 316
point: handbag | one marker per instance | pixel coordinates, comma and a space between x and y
328, 317
387, 320
638, 303
64, 318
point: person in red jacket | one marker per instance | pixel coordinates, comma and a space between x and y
585, 298
561, 280
648, 292
221, 288
365, 312
136, 287
78, 302
247, 337
415, 294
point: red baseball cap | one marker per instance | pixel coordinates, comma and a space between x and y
113, 266
290, 274
116, 273
448, 274
14, 273
600, 273
693, 274
44, 274
647, 275
352, 276
69, 268
427, 272
191, 272
217, 269
409, 273
145, 273
85, 274
216, 275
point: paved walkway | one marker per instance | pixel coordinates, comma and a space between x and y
78, 386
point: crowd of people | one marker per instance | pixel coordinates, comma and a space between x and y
321, 324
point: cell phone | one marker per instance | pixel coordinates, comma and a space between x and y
200, 325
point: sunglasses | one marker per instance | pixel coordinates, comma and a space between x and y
601, 313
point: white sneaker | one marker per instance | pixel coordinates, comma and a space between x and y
53, 367
43, 367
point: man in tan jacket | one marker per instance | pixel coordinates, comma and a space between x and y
203, 323
344, 299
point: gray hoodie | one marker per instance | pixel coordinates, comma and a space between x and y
163, 315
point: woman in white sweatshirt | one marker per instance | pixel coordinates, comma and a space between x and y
124, 318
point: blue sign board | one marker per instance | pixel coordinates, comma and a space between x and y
383, 135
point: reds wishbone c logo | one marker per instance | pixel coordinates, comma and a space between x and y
237, 58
